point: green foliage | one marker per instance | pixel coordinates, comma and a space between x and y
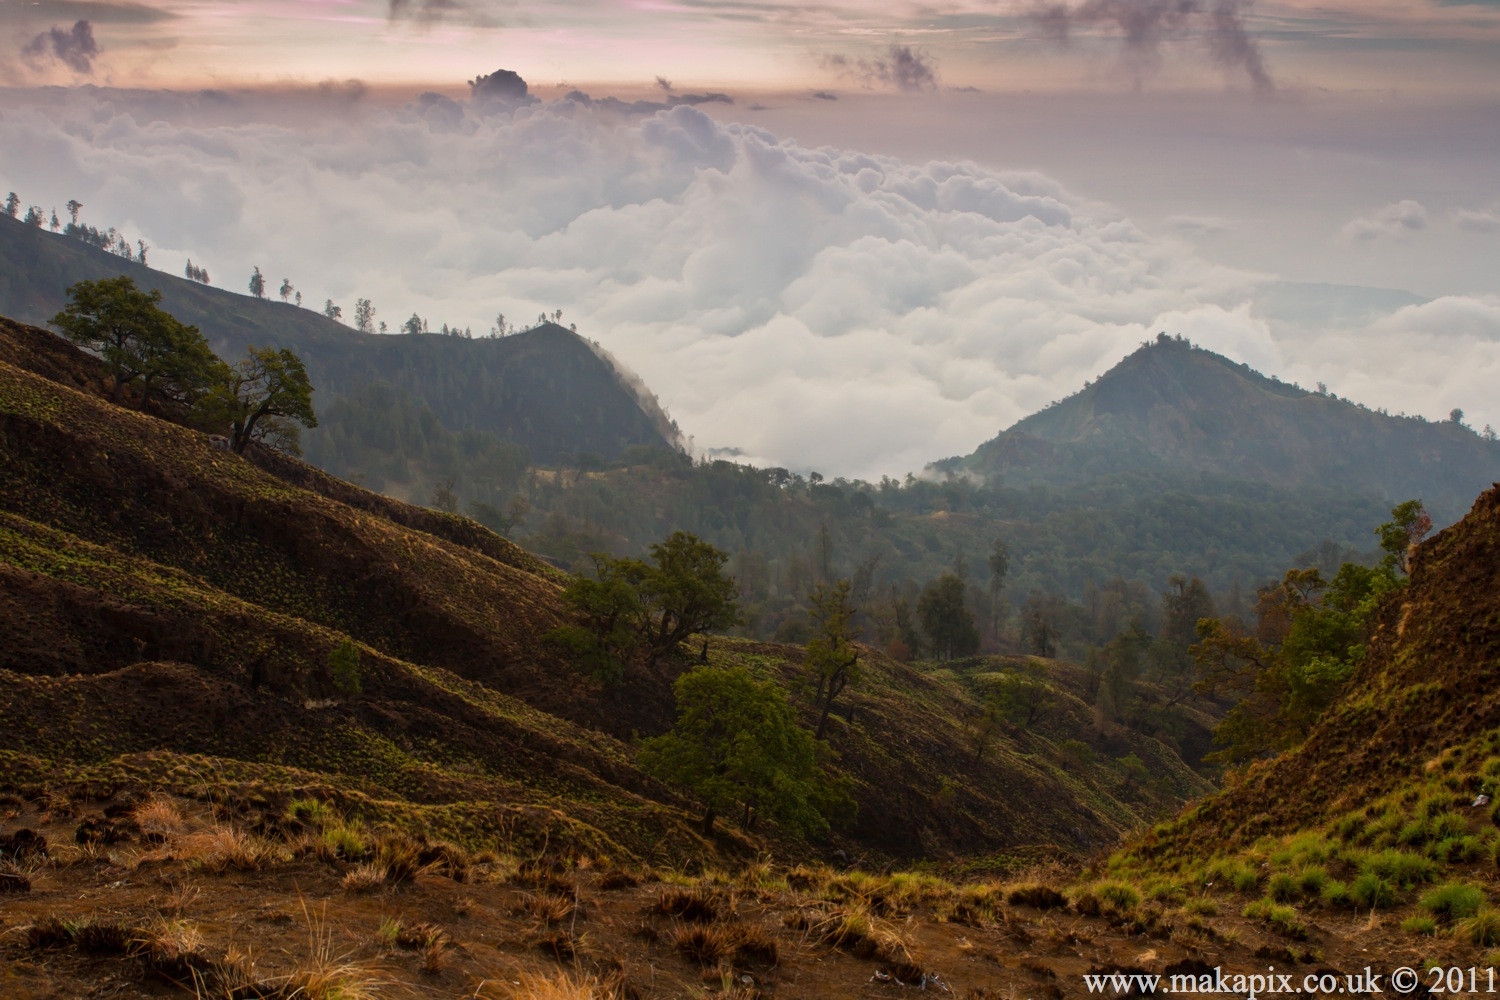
1371, 891
1408, 525
1020, 695
1420, 925
261, 399
1309, 638
1281, 919
1453, 901
343, 666
737, 746
139, 342
631, 606
946, 619
1483, 928
1336, 893
1121, 896
1283, 887
1401, 868
831, 662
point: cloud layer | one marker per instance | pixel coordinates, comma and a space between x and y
818, 308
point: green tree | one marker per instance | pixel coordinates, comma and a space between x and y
946, 619
831, 662
736, 744
634, 606
1021, 695
258, 284
364, 316
139, 341
262, 394
343, 666
1409, 524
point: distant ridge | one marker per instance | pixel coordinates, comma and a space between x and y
1171, 407
546, 389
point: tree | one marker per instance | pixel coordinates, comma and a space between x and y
946, 619
443, 497
139, 341
1184, 603
999, 564
1041, 623
35, 216
1456, 416
55, 224
343, 665
263, 393
258, 284
287, 290
364, 316
414, 325
632, 606
1409, 524
74, 206
333, 312
12, 205
831, 662
737, 746
141, 246
299, 300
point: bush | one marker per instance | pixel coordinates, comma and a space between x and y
1448, 825
1281, 919
1456, 850
1453, 901
343, 665
1372, 892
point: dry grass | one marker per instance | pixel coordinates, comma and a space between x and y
698, 905
559, 986
546, 907
224, 848
159, 819
364, 878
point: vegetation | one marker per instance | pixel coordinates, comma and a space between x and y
737, 746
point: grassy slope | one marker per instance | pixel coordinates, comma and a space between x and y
218, 586
1378, 807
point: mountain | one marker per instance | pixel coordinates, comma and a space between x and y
546, 389
167, 608
1175, 409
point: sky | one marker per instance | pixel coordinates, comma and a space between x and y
851, 237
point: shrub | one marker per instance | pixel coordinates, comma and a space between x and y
1413, 833
1373, 892
1042, 897
1281, 919
1453, 901
1447, 825
343, 666
1202, 906
1457, 850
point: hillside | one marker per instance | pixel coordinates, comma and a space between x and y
546, 389
144, 570
1171, 408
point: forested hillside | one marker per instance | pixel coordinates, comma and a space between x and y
1172, 409
546, 392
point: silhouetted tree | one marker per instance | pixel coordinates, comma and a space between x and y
287, 290
263, 391
333, 312
258, 284
12, 205
74, 206
364, 316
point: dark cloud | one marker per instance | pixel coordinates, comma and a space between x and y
899, 66
645, 107
1144, 24
424, 11
825, 95
664, 84
503, 86
75, 48
95, 12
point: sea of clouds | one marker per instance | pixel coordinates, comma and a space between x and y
811, 307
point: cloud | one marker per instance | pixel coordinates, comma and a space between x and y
824, 95
75, 48
1144, 25
664, 84
424, 11
1484, 220
1197, 226
900, 67
1397, 220
813, 307
617, 106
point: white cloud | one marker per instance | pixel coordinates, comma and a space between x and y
816, 308
1398, 220
1483, 220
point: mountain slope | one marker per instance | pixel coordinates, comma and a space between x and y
546, 389
1171, 407
167, 606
